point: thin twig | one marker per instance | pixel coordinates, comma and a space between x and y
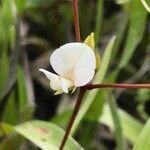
74, 114
76, 20
105, 85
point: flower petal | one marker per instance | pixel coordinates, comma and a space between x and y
75, 61
56, 82
49, 75
85, 68
65, 85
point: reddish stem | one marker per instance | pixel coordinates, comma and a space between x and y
76, 20
82, 89
74, 114
94, 86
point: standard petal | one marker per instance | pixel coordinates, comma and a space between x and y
75, 61
85, 68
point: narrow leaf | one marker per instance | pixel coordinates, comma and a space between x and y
135, 32
143, 141
131, 127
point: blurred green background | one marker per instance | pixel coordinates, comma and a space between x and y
30, 30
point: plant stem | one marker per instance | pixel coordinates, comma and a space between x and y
105, 85
82, 89
76, 20
72, 119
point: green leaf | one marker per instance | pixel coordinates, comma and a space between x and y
20, 4
12, 36
4, 68
130, 126
24, 106
118, 133
143, 95
143, 141
46, 135
11, 114
100, 75
7, 20
5, 128
7, 11
135, 31
120, 35
21, 89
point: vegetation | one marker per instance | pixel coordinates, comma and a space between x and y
32, 117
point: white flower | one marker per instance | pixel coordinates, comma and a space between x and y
75, 65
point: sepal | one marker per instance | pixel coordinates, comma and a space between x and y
90, 41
